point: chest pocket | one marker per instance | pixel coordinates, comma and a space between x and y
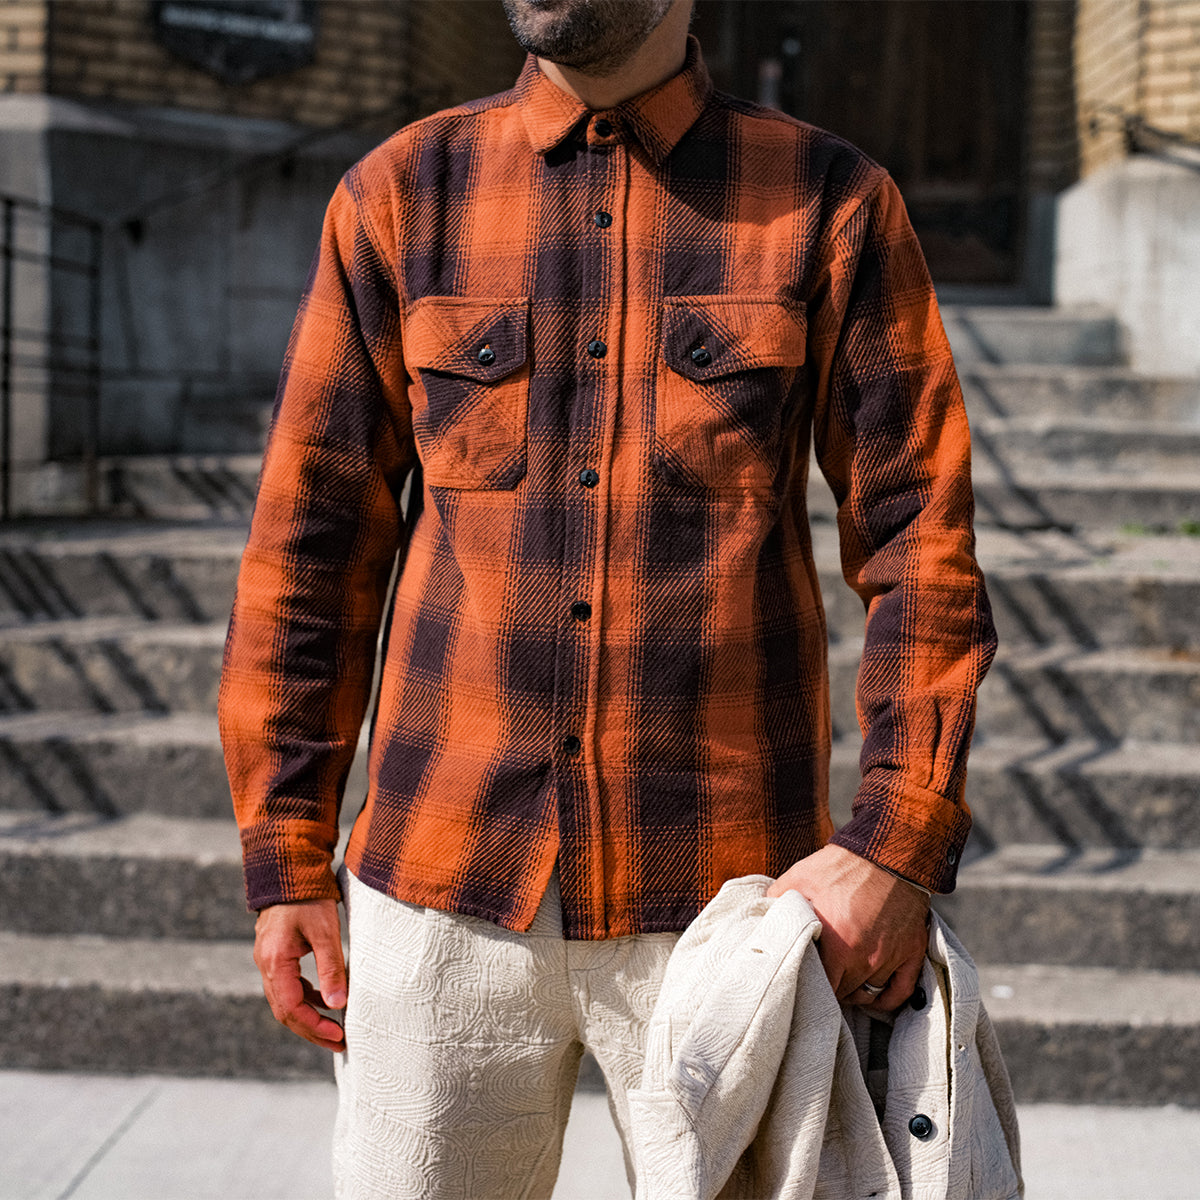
726, 368
469, 362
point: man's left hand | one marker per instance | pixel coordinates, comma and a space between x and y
874, 925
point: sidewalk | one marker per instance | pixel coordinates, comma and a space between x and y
94, 1137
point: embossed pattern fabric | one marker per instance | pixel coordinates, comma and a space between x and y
753, 1087
463, 1041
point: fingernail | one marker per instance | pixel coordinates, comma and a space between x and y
336, 999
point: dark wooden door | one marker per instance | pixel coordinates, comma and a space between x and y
932, 89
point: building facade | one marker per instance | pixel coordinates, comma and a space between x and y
166, 164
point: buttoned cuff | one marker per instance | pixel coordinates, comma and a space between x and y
910, 831
285, 861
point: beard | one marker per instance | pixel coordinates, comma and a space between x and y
594, 37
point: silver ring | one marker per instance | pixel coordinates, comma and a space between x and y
871, 989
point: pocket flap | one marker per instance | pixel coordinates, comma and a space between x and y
709, 337
478, 339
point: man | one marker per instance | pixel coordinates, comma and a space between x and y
605, 316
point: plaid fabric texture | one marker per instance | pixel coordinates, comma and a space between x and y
606, 341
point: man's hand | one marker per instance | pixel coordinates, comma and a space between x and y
283, 935
874, 926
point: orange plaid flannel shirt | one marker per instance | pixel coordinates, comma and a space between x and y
606, 342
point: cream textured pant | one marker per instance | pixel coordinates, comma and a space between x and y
463, 1041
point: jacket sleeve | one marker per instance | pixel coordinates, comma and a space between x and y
326, 530
891, 437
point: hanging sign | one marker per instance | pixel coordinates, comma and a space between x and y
238, 41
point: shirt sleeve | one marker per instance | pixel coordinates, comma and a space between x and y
326, 530
891, 437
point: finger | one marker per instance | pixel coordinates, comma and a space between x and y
331, 964
868, 994
312, 1027
315, 1026
843, 974
294, 1002
282, 984
302, 1017
901, 985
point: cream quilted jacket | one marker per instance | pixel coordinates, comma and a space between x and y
755, 1081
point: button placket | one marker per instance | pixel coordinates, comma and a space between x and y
586, 434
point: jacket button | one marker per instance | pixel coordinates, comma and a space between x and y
581, 610
588, 477
701, 357
952, 856
597, 349
571, 745
487, 356
603, 219
918, 999
603, 128
920, 1126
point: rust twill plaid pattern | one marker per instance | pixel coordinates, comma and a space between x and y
606, 341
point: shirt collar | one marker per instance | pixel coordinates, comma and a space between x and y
657, 118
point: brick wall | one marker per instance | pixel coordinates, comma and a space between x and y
1053, 147
1170, 66
1106, 74
1141, 57
369, 52
23, 45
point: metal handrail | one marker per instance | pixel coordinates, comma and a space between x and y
1143, 138
404, 105
52, 347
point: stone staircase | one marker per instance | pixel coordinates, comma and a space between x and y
123, 936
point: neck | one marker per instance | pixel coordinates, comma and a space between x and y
659, 57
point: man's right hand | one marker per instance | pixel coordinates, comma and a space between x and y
283, 935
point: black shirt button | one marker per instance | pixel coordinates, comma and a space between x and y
603, 128
487, 356
597, 349
603, 219
920, 1126
701, 357
588, 477
572, 745
581, 610
918, 999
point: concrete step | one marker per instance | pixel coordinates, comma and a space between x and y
1077, 793
113, 765
141, 876
1085, 1035
1038, 496
133, 1005
1054, 589
1082, 446
1019, 903
1027, 390
1088, 908
1082, 336
1074, 795
110, 664
1097, 1035
1157, 502
1086, 794
55, 570
181, 487
1059, 693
